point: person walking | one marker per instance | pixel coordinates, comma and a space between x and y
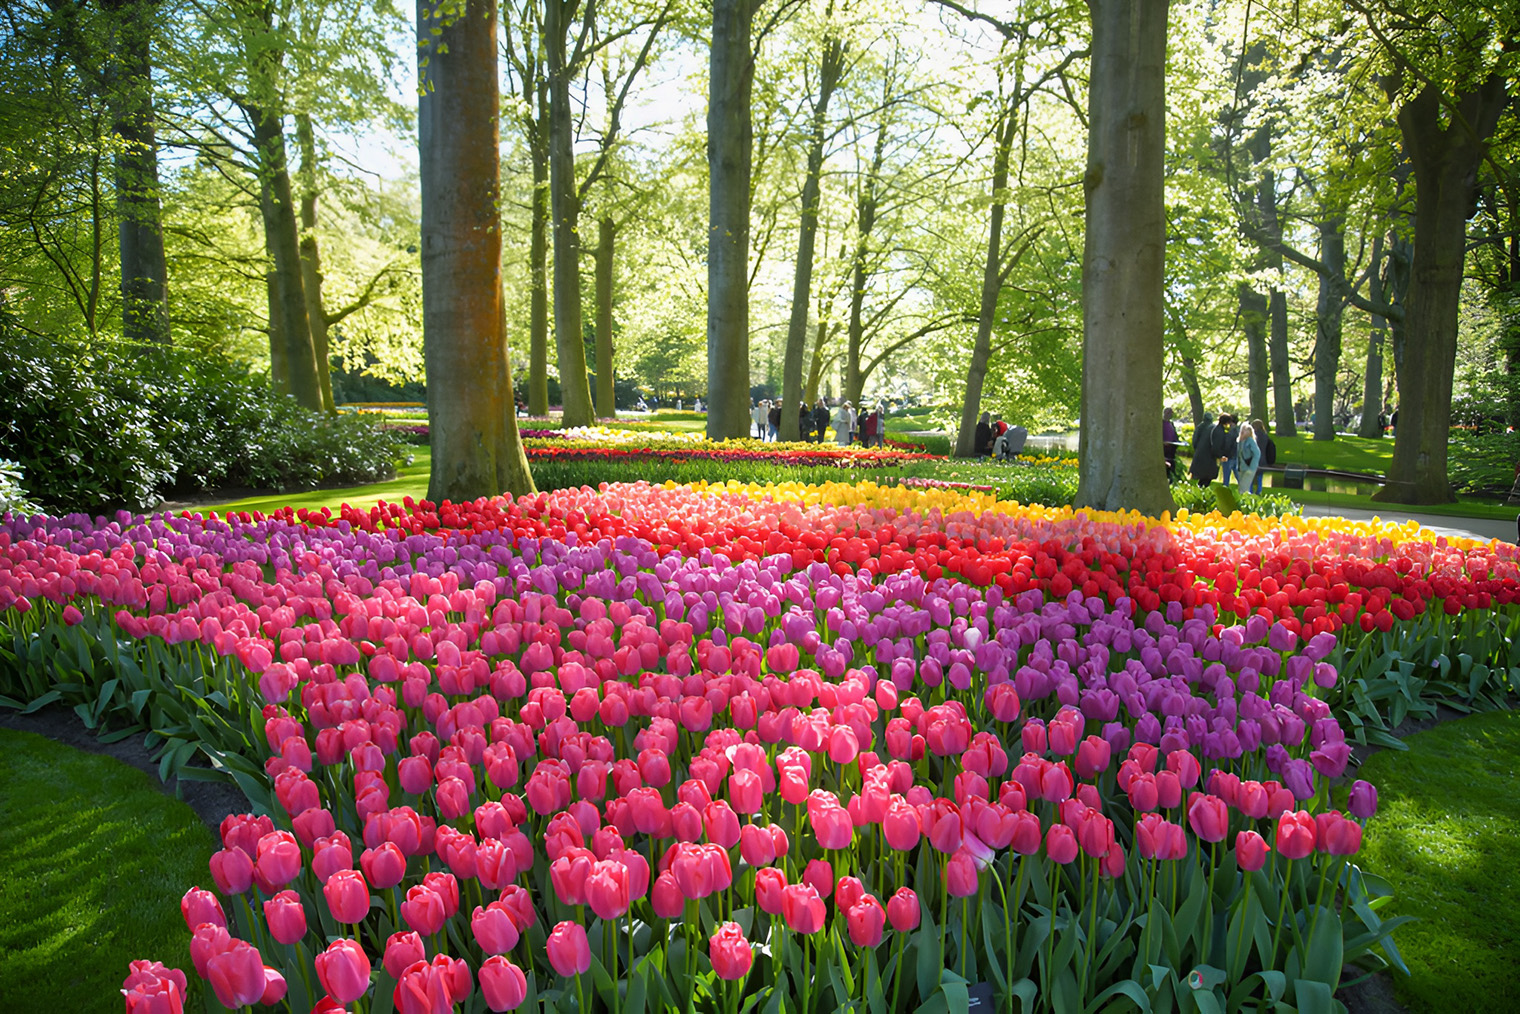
1268, 452
757, 413
1247, 457
1205, 466
773, 421
804, 423
820, 420
844, 423
1230, 427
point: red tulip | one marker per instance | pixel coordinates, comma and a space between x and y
569, 950
503, 984
1295, 834
1250, 851
730, 953
903, 910
866, 918
237, 975
802, 908
344, 970
401, 951
1342, 837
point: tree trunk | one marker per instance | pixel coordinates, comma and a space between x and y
865, 222
279, 351
565, 211
144, 275
1194, 392
471, 411
1253, 320
1372, 383
538, 264
730, 141
311, 258
606, 404
282, 240
1282, 422
816, 363
1445, 163
992, 278
1123, 306
831, 69
1328, 316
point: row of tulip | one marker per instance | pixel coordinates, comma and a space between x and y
813, 455
724, 745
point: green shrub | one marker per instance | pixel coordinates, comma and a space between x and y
13, 495
110, 424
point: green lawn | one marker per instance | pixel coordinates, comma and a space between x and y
411, 480
1445, 836
95, 860
1343, 454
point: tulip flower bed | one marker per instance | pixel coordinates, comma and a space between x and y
784, 748
791, 455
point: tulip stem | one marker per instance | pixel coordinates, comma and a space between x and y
1282, 909
1238, 967
1319, 899
1092, 927
612, 964
896, 973
965, 932
807, 975
580, 994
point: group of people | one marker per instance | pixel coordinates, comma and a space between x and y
867, 428
996, 439
1225, 449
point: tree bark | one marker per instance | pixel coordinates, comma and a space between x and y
1446, 161
1329, 317
1372, 382
992, 283
471, 411
816, 362
730, 143
1253, 320
282, 240
311, 258
1282, 422
538, 263
830, 71
865, 222
1123, 308
144, 274
565, 211
1194, 392
606, 403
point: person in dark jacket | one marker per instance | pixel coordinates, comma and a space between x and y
983, 446
1229, 427
773, 421
1205, 466
804, 423
1169, 443
820, 419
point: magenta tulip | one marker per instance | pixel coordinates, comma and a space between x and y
730, 952
569, 950
503, 984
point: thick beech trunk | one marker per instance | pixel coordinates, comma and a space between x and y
144, 274
1123, 308
311, 258
1372, 382
992, 282
1329, 316
471, 411
1253, 320
1282, 422
606, 235
730, 142
1446, 161
287, 311
565, 213
538, 265
831, 69
1194, 392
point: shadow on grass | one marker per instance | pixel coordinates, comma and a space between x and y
1445, 836
95, 859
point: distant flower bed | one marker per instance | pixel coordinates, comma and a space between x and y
735, 451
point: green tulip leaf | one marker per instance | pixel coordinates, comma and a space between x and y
1313, 997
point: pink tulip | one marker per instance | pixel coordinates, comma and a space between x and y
960, 875
494, 929
198, 906
769, 885
802, 908
503, 984
401, 951
867, 919
343, 970
423, 910
347, 897
1250, 851
237, 975
1295, 834
569, 950
1208, 816
730, 952
903, 910
274, 987
607, 889
232, 869
1061, 844
286, 917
